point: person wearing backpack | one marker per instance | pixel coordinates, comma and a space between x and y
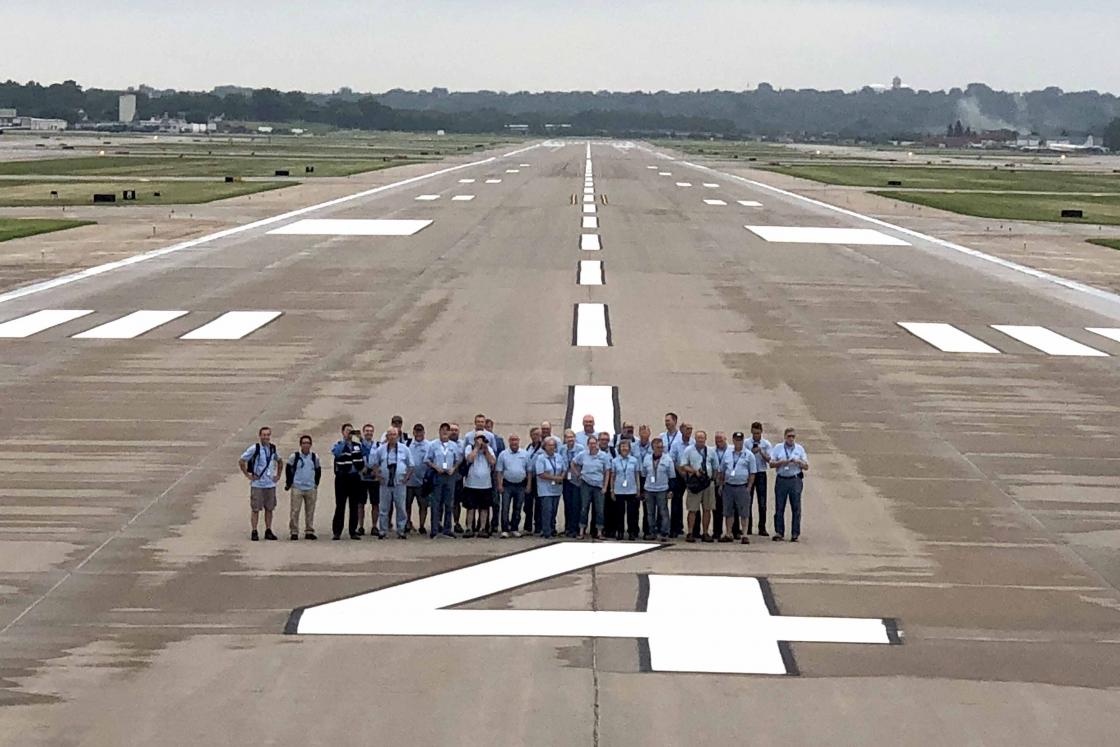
261, 467
301, 477
700, 468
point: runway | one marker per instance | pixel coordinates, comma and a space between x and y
960, 416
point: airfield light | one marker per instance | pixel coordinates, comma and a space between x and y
100, 152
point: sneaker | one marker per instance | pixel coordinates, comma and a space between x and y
707, 538
380, 536
402, 535
254, 536
268, 535
503, 535
469, 534
763, 533
726, 538
745, 541
793, 538
515, 533
310, 536
458, 529
777, 538
294, 536
690, 538
362, 530
336, 536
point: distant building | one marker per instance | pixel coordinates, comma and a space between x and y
896, 84
126, 107
7, 117
43, 124
518, 128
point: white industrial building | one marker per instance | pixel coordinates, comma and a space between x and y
126, 107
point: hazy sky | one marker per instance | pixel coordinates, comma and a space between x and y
319, 45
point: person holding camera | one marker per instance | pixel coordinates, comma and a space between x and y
301, 479
368, 488
348, 490
700, 468
760, 449
791, 463
393, 465
261, 467
478, 486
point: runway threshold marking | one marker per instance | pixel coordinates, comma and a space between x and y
589, 195
589, 242
462, 198
947, 338
493, 181
1047, 341
750, 203
1112, 333
714, 202
825, 235
591, 326
232, 325
590, 272
36, 322
671, 609
352, 227
684, 184
130, 325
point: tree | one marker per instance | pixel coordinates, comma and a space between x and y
1112, 135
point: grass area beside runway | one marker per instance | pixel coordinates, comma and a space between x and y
1110, 243
38, 194
730, 149
925, 177
154, 165
17, 228
1098, 209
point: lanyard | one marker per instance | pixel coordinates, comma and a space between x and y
719, 457
669, 446
627, 468
736, 457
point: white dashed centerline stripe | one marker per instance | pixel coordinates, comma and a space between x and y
750, 203
32, 324
589, 198
590, 272
714, 202
664, 173
130, 325
684, 184
589, 242
512, 171
462, 198
601, 402
1047, 341
233, 325
589, 209
947, 338
711, 185
591, 326
590, 222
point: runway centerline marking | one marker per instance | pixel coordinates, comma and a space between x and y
421, 198
590, 272
1048, 341
590, 222
599, 401
824, 235
352, 227
714, 202
36, 322
664, 173
232, 325
591, 327
684, 184
512, 171
589, 208
589, 242
462, 198
947, 338
750, 203
675, 607
589, 198
130, 325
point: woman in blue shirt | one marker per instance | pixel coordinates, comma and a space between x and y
625, 469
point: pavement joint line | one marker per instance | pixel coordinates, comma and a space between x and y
45, 285
1048, 277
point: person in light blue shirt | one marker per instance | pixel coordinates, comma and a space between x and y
659, 473
791, 463
512, 474
301, 478
737, 464
418, 488
478, 486
394, 468
588, 431
443, 459
551, 471
261, 466
592, 468
626, 470
760, 448
676, 441
570, 449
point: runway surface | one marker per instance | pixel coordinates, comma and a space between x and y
961, 418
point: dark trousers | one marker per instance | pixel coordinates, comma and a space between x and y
348, 492
717, 514
443, 492
532, 512
676, 507
787, 489
612, 520
629, 522
457, 500
758, 491
369, 491
513, 499
572, 503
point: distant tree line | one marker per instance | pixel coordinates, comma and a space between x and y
765, 111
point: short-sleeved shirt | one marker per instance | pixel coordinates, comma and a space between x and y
399, 457
674, 444
626, 471
582, 436
762, 458
641, 452
478, 474
721, 456
781, 453
468, 441
534, 451
304, 475
553, 465
694, 457
368, 447
261, 467
570, 457
443, 454
657, 481
418, 456
514, 465
738, 466
593, 468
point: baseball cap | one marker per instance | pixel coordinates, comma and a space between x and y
737, 436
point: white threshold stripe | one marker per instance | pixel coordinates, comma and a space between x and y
462, 198
825, 235
960, 248
589, 242
232, 325
714, 202
493, 181
427, 198
466, 181
34, 323
590, 222
352, 227
711, 185
590, 272
684, 184
1112, 333
592, 326
130, 325
750, 203
601, 402
947, 338
512, 171
1047, 341
163, 251
664, 173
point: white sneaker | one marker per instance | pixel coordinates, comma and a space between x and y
516, 533
504, 535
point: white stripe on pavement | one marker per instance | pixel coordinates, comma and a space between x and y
1047, 341
595, 400
750, 203
589, 242
590, 272
1112, 333
714, 202
462, 198
25, 326
233, 325
352, 227
130, 325
589, 209
592, 327
590, 222
946, 337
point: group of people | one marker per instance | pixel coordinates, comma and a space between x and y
624, 486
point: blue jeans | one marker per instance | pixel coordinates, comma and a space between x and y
657, 512
591, 500
549, 505
391, 496
787, 489
513, 498
571, 508
442, 502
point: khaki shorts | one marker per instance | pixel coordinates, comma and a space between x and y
262, 498
706, 499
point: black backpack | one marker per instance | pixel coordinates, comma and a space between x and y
257, 453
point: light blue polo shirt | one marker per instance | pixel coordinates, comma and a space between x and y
443, 454
593, 468
304, 475
582, 436
478, 475
383, 457
514, 465
780, 453
418, 456
570, 457
263, 474
738, 466
641, 452
693, 457
658, 481
555, 465
626, 470
674, 444
468, 441
761, 460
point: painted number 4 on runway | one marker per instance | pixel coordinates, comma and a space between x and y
681, 620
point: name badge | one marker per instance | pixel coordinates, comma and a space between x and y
624, 483
732, 471
444, 464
